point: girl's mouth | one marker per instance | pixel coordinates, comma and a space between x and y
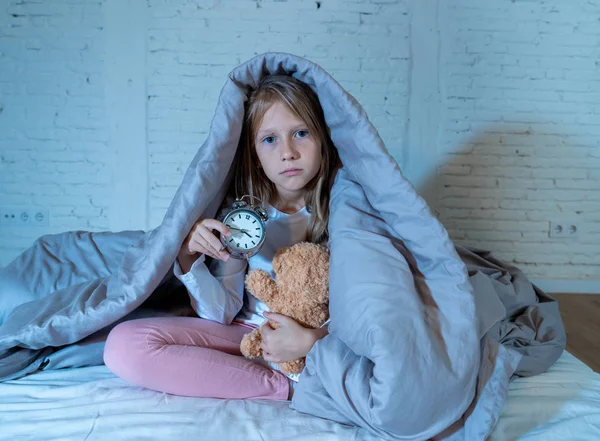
292, 172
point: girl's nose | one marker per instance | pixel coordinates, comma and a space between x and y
288, 151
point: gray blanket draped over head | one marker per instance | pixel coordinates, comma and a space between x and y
413, 350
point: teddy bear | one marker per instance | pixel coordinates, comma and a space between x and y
300, 291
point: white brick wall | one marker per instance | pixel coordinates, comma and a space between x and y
520, 131
191, 48
53, 138
505, 95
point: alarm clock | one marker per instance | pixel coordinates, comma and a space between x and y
247, 225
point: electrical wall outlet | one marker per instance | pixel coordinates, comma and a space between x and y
13, 216
564, 229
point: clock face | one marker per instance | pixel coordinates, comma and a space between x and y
246, 228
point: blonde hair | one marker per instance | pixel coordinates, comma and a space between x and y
303, 102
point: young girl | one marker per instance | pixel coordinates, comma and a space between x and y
287, 160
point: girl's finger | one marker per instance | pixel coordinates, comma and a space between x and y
206, 251
213, 224
204, 242
194, 246
266, 330
197, 247
209, 246
272, 358
277, 318
209, 253
263, 348
214, 243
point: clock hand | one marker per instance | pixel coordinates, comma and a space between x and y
246, 233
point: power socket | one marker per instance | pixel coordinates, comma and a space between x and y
564, 229
13, 216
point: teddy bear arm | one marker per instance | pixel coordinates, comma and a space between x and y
261, 285
250, 345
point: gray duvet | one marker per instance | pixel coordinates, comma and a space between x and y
424, 337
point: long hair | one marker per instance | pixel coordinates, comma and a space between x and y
303, 102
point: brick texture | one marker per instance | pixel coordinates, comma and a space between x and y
53, 142
521, 131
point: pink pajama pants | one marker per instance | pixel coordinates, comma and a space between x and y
192, 357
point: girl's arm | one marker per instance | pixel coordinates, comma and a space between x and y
216, 293
314, 335
185, 261
320, 333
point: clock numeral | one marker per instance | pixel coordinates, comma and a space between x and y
247, 217
238, 244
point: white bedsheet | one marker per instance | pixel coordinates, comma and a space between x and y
91, 404
562, 404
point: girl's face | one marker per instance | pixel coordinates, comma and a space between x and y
287, 152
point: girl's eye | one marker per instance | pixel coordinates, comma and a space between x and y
302, 133
269, 140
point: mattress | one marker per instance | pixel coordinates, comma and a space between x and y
92, 404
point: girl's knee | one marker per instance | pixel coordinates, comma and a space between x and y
123, 346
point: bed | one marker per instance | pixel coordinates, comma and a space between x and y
90, 403
423, 338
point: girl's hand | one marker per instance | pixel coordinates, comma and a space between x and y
288, 342
202, 239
